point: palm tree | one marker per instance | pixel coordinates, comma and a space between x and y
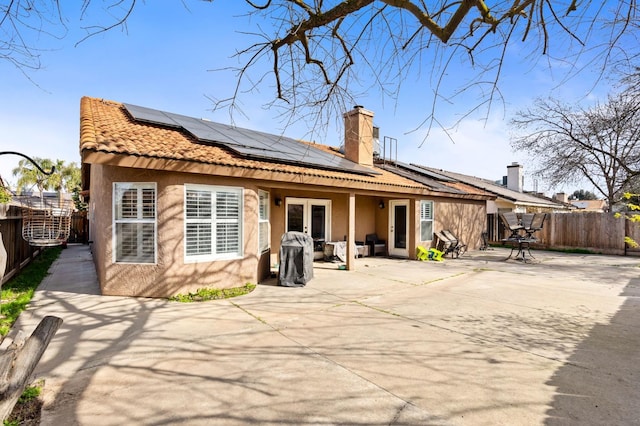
29, 176
65, 179
69, 175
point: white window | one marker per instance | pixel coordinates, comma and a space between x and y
135, 225
264, 241
426, 220
213, 222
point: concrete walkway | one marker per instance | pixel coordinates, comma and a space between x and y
472, 341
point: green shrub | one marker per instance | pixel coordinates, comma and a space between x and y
30, 392
203, 294
28, 407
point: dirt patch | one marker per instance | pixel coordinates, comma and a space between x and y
26, 413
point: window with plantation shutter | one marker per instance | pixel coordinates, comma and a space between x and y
135, 225
426, 220
213, 222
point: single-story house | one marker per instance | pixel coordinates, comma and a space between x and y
599, 206
178, 203
509, 193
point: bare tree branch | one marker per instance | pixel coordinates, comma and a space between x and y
601, 144
318, 52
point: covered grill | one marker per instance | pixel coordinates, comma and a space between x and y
296, 259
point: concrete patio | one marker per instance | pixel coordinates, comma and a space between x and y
471, 341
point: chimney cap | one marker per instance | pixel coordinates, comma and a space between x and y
358, 107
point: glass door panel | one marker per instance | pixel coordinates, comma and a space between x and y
400, 225
311, 216
318, 222
399, 228
318, 226
295, 217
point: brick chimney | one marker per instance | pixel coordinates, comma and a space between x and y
358, 136
563, 197
515, 178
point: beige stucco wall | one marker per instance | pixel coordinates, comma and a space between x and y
466, 219
170, 275
365, 213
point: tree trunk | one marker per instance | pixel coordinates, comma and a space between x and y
18, 363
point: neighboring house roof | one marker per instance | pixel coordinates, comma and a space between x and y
110, 135
432, 180
566, 205
590, 205
520, 198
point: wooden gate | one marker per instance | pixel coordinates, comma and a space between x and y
79, 232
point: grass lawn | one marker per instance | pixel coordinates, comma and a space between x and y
15, 297
18, 291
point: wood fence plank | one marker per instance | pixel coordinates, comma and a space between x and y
597, 232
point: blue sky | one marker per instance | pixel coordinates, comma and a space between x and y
164, 60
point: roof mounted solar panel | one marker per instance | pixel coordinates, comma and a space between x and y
150, 115
422, 178
419, 169
250, 143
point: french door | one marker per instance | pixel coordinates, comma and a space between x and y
398, 228
311, 216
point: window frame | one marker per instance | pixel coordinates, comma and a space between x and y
119, 188
213, 221
429, 220
264, 195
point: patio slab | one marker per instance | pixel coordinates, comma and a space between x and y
471, 341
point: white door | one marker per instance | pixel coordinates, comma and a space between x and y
311, 216
398, 228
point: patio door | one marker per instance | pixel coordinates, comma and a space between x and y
398, 228
311, 216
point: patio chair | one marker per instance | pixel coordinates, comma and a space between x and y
511, 222
448, 243
422, 253
431, 254
376, 245
442, 242
527, 219
459, 248
536, 224
484, 240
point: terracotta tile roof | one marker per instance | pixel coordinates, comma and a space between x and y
106, 127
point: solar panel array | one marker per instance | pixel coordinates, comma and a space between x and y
250, 143
419, 169
422, 176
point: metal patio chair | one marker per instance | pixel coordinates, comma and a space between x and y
450, 244
536, 224
512, 223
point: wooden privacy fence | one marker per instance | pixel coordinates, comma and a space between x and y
19, 252
596, 232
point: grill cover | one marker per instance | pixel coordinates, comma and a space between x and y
296, 259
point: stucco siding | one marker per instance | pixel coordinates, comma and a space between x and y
467, 220
366, 214
171, 274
